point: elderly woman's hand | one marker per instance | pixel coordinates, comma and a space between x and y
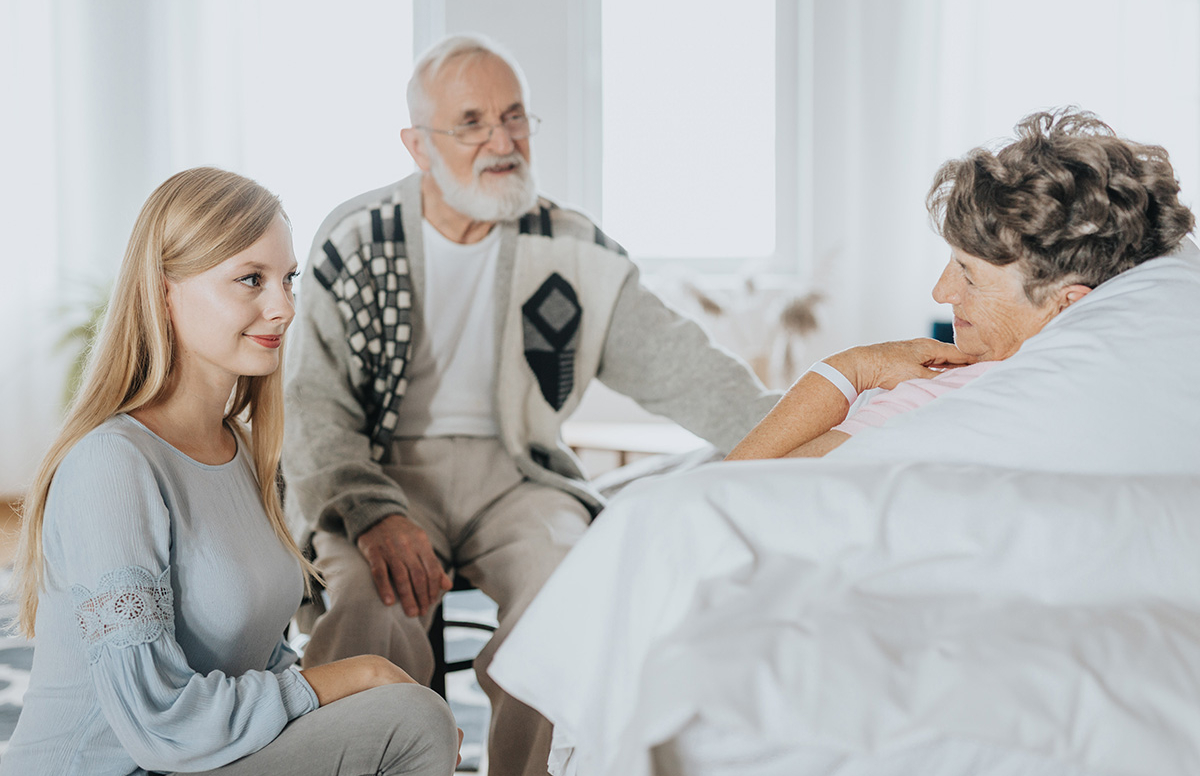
888, 364
814, 405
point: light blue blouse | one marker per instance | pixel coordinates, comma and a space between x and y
159, 635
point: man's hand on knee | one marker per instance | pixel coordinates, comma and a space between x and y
403, 564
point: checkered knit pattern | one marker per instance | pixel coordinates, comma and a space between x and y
373, 288
549, 220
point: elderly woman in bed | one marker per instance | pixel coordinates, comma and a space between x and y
1033, 228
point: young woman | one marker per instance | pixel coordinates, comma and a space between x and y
155, 565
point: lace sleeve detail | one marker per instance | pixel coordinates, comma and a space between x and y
130, 606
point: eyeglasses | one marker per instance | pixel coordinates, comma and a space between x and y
476, 133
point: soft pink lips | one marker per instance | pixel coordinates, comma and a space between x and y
267, 341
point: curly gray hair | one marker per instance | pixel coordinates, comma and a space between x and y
1068, 198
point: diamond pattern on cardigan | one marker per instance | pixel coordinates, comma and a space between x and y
551, 328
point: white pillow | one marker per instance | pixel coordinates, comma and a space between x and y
1111, 385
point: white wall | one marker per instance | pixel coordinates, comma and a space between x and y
30, 366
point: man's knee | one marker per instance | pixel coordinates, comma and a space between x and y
359, 623
352, 594
355, 596
347, 575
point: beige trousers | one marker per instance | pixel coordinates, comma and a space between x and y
486, 521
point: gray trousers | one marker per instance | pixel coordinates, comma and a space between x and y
387, 731
503, 533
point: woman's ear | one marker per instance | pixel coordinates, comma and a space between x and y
1069, 295
169, 293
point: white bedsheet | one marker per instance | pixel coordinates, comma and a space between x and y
855, 611
1005, 581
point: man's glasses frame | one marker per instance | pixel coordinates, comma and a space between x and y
477, 133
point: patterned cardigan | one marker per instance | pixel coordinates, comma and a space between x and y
372, 285
569, 307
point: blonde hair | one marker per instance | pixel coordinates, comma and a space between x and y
191, 223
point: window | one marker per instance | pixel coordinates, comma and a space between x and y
689, 129
324, 102
1132, 62
800, 136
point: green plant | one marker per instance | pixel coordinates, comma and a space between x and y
88, 311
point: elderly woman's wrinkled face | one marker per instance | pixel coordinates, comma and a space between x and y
992, 314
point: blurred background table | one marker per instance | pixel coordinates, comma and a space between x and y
616, 444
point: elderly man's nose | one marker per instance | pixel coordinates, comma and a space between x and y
500, 142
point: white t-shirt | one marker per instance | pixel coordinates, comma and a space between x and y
452, 371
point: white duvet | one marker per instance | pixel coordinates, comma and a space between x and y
1006, 581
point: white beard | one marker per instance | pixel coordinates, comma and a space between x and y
516, 193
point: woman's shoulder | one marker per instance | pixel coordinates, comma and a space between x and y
115, 462
117, 439
119, 443
124, 443
108, 487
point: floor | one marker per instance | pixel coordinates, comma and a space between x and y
15, 653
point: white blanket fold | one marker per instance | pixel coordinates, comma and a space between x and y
1012, 610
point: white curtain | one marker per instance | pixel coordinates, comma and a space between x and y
105, 100
872, 98
29, 260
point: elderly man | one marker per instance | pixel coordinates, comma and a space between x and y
448, 324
